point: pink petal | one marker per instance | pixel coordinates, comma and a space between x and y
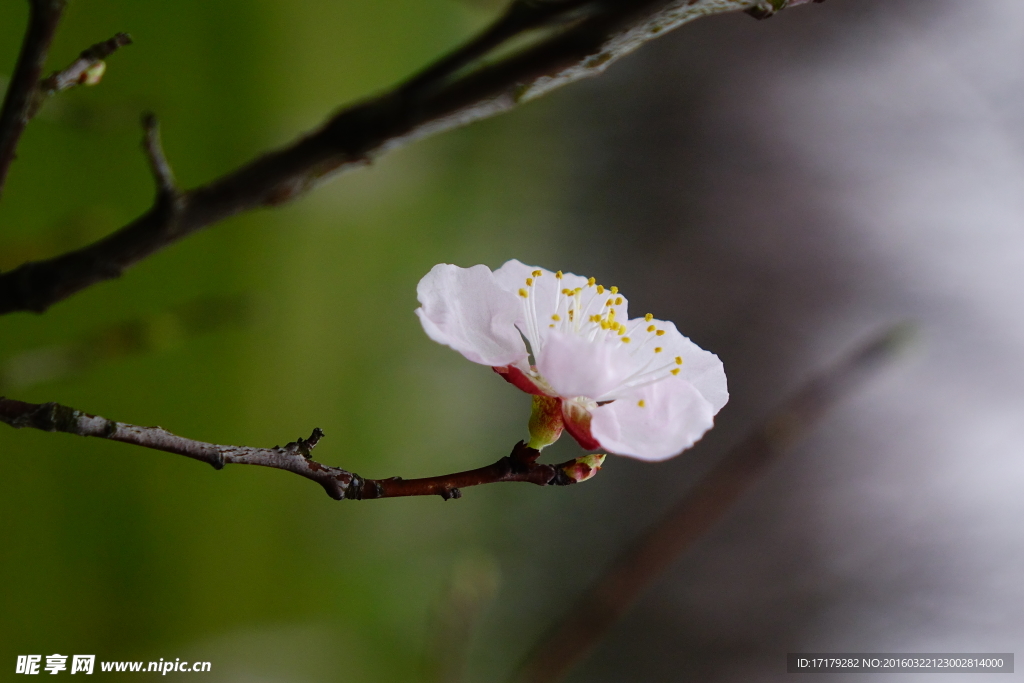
574, 366
576, 419
518, 379
672, 417
464, 308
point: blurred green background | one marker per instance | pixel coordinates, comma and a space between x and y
254, 332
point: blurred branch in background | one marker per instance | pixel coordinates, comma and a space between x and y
533, 48
44, 16
473, 584
27, 93
120, 340
576, 634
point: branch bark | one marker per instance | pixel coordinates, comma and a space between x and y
579, 631
44, 16
520, 466
574, 39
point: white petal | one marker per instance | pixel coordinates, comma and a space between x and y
674, 415
574, 366
464, 308
700, 368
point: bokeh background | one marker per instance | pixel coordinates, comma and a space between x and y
780, 189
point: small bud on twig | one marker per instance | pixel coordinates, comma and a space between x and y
585, 467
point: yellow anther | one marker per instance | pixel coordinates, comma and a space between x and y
605, 325
641, 403
590, 282
610, 302
675, 371
559, 275
551, 325
556, 318
618, 301
650, 328
657, 349
522, 293
625, 340
615, 290
567, 292
577, 290
538, 273
570, 314
600, 289
679, 360
649, 317
660, 332
529, 282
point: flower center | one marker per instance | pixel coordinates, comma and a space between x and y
593, 312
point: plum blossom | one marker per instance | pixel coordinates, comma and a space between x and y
635, 387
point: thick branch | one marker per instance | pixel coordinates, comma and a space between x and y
521, 465
583, 38
582, 628
44, 16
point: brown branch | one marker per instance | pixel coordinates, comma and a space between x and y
520, 466
583, 38
44, 16
577, 633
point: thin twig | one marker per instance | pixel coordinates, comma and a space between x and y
459, 89
44, 16
163, 176
520, 466
82, 71
577, 633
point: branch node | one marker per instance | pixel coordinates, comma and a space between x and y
168, 195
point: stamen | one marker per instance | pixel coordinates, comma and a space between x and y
556, 318
600, 289
641, 403
618, 301
529, 282
657, 349
538, 273
590, 282
615, 290
522, 293
558, 275
679, 360
625, 340
650, 328
660, 332
675, 371
649, 317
